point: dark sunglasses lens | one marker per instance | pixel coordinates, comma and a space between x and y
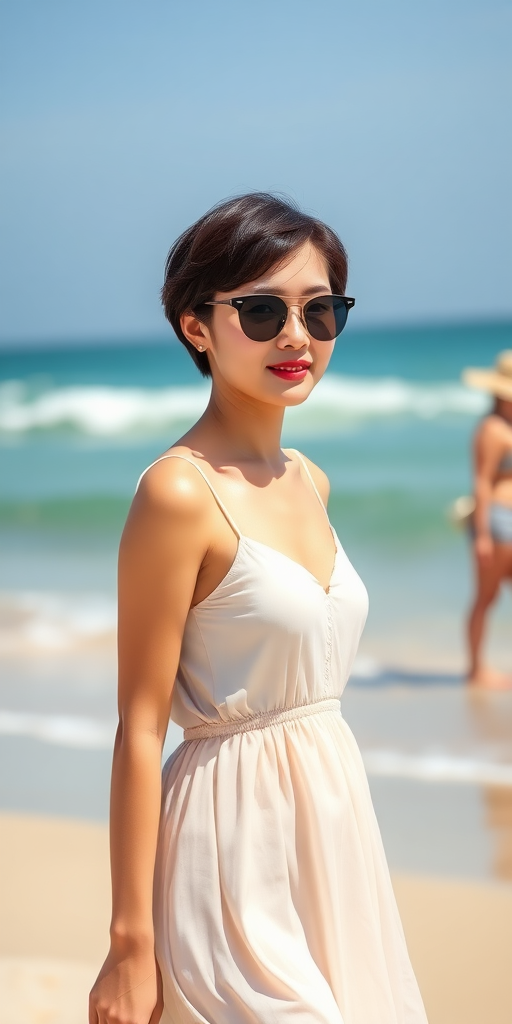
326, 317
262, 317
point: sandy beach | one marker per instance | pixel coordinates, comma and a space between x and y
54, 891
438, 759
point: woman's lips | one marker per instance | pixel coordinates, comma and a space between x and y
294, 369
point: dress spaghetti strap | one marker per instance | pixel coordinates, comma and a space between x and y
220, 503
312, 482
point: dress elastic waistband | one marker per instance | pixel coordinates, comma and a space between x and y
261, 721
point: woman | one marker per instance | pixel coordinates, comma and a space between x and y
240, 615
492, 518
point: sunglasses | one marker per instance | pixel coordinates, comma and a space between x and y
262, 317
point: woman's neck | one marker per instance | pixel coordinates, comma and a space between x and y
241, 428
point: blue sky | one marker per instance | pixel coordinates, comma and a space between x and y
122, 122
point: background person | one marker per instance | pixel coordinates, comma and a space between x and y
492, 517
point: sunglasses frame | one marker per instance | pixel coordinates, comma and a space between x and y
236, 303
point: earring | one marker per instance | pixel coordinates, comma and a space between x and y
200, 348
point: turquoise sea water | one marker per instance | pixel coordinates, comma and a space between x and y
390, 423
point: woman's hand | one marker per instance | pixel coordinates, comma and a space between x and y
128, 990
484, 548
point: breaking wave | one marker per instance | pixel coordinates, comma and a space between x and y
110, 412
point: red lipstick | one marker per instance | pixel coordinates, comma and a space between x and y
290, 369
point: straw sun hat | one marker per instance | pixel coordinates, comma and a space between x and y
498, 380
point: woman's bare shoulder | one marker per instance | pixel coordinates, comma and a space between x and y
171, 485
165, 540
492, 430
320, 478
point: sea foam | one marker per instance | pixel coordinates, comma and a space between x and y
51, 622
88, 733
336, 402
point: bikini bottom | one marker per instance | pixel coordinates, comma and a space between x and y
500, 522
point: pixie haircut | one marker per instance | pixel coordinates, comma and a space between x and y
237, 241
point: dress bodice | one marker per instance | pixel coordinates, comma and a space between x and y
269, 636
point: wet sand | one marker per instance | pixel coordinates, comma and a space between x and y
437, 756
439, 761
54, 890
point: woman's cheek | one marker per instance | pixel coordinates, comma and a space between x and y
239, 362
321, 362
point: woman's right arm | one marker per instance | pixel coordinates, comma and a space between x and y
161, 552
486, 458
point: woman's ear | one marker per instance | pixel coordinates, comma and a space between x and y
195, 331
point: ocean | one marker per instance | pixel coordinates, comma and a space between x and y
391, 424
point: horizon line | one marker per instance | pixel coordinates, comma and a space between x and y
115, 340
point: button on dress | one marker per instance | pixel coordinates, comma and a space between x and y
273, 901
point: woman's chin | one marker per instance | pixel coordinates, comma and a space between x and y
285, 395
297, 393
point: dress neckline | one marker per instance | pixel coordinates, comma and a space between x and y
244, 541
268, 547
243, 537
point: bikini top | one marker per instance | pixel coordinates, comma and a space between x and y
505, 465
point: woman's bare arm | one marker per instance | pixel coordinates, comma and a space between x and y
162, 548
486, 453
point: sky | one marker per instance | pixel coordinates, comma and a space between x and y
122, 122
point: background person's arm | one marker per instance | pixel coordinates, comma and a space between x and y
486, 452
162, 549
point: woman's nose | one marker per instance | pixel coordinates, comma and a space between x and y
294, 331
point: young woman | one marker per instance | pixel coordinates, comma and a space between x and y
492, 518
240, 616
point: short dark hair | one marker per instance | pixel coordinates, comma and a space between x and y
238, 240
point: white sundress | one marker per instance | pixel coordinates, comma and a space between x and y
273, 900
